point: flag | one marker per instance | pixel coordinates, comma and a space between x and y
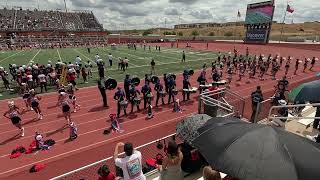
239, 14
290, 9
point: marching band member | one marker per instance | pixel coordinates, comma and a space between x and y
202, 79
296, 66
146, 91
313, 61
102, 89
305, 65
14, 114
160, 92
165, 80
133, 97
127, 83
171, 87
120, 97
186, 86
35, 103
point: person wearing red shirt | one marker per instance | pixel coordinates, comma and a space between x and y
105, 173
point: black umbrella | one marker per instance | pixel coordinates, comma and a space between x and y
306, 92
254, 151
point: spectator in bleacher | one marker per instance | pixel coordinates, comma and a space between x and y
105, 173
256, 98
171, 165
131, 163
210, 174
317, 121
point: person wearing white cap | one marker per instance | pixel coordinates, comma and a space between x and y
14, 115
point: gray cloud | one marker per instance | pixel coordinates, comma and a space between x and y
152, 13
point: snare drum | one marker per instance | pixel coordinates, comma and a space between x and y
123, 104
162, 94
175, 91
137, 101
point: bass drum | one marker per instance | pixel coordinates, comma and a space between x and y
111, 84
135, 81
154, 79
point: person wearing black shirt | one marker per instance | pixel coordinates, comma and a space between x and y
127, 83
171, 87
159, 89
283, 84
153, 64
186, 86
89, 51
133, 97
183, 57
313, 61
215, 76
165, 79
256, 98
120, 97
146, 90
296, 66
102, 89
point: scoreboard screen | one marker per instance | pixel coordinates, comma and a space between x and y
260, 13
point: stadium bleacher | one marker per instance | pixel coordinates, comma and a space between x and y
32, 20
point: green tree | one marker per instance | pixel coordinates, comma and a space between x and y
228, 34
195, 33
211, 34
173, 33
147, 32
180, 33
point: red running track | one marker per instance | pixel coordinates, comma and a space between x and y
91, 144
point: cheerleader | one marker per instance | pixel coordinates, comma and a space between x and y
72, 97
13, 114
150, 113
73, 131
115, 126
176, 106
64, 103
34, 100
26, 96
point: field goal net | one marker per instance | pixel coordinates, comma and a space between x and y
221, 103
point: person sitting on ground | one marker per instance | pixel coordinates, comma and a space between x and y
115, 126
176, 106
171, 165
131, 164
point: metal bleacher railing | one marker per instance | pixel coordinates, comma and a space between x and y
89, 172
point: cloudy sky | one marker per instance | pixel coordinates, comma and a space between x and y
138, 14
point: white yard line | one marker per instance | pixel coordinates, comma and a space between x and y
11, 55
59, 55
84, 55
35, 56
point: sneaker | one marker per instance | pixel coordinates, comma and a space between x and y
75, 110
41, 116
22, 132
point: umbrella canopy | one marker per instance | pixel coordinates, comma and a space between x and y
306, 92
256, 152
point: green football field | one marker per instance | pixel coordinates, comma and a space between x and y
167, 61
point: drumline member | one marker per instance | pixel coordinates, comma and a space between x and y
287, 66
241, 71
122, 103
72, 97
147, 94
133, 97
171, 87
186, 86
202, 79
160, 92
14, 115
35, 104
127, 83
165, 80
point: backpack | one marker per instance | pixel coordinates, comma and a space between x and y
49, 142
